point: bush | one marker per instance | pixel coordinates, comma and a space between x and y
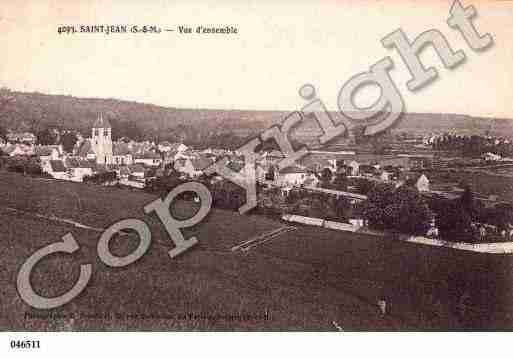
101, 178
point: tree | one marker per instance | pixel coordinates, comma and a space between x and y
413, 214
317, 208
3, 133
270, 174
455, 225
326, 177
364, 186
226, 194
379, 197
68, 141
502, 216
46, 137
401, 209
26, 165
340, 182
126, 129
343, 208
467, 202
6, 101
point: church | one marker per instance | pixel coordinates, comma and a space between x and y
99, 146
101, 140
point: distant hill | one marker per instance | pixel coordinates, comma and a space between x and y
36, 111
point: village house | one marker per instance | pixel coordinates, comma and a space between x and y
355, 168
121, 154
22, 137
123, 172
137, 171
47, 153
271, 157
419, 181
489, 156
192, 167
133, 175
84, 150
56, 169
291, 176
148, 158
78, 168
386, 176
166, 146
367, 170
18, 149
422, 183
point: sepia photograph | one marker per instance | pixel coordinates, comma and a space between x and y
242, 166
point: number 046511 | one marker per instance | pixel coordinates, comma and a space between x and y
25, 344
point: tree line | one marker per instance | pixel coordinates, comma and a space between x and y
473, 146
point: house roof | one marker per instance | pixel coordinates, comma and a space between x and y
101, 167
44, 150
73, 162
176, 145
147, 155
120, 149
21, 135
367, 168
201, 162
57, 166
137, 148
276, 154
11, 148
413, 178
136, 167
8, 149
310, 181
180, 162
293, 169
85, 149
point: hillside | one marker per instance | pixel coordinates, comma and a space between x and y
36, 111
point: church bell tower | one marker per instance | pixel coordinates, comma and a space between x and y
101, 140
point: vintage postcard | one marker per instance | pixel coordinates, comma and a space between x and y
283, 166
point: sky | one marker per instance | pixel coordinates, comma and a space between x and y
280, 46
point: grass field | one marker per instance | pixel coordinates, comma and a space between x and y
209, 279
307, 279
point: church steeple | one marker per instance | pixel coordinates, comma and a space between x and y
101, 122
101, 129
101, 140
